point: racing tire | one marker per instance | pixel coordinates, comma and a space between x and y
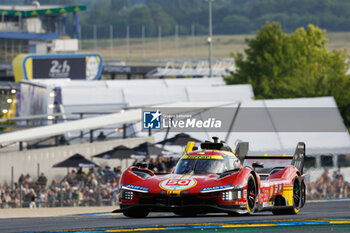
297, 200
252, 193
303, 194
136, 214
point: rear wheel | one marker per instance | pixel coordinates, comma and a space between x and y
303, 194
297, 199
136, 213
252, 193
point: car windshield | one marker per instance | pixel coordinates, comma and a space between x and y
206, 166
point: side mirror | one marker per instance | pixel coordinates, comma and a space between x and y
258, 165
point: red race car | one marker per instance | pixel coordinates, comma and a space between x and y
215, 179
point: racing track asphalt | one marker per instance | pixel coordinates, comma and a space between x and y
314, 217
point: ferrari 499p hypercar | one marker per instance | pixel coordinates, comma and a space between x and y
216, 179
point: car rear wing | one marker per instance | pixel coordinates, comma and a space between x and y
297, 159
241, 151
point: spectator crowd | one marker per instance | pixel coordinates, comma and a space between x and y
93, 187
98, 186
78, 188
328, 186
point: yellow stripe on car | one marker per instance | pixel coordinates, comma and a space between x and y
202, 157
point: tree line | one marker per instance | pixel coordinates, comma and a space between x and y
280, 65
229, 16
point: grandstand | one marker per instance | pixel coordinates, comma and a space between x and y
187, 69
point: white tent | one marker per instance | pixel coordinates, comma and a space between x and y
84, 96
223, 93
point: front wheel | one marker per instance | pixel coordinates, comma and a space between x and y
136, 214
252, 193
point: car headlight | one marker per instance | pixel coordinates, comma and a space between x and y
231, 195
126, 195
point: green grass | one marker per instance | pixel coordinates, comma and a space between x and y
188, 47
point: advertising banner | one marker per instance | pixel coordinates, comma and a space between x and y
55, 66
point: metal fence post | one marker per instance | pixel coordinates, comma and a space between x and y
12, 177
61, 195
20, 196
99, 195
38, 170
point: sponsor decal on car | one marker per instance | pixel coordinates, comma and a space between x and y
177, 184
202, 157
216, 188
267, 204
244, 193
136, 188
265, 194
